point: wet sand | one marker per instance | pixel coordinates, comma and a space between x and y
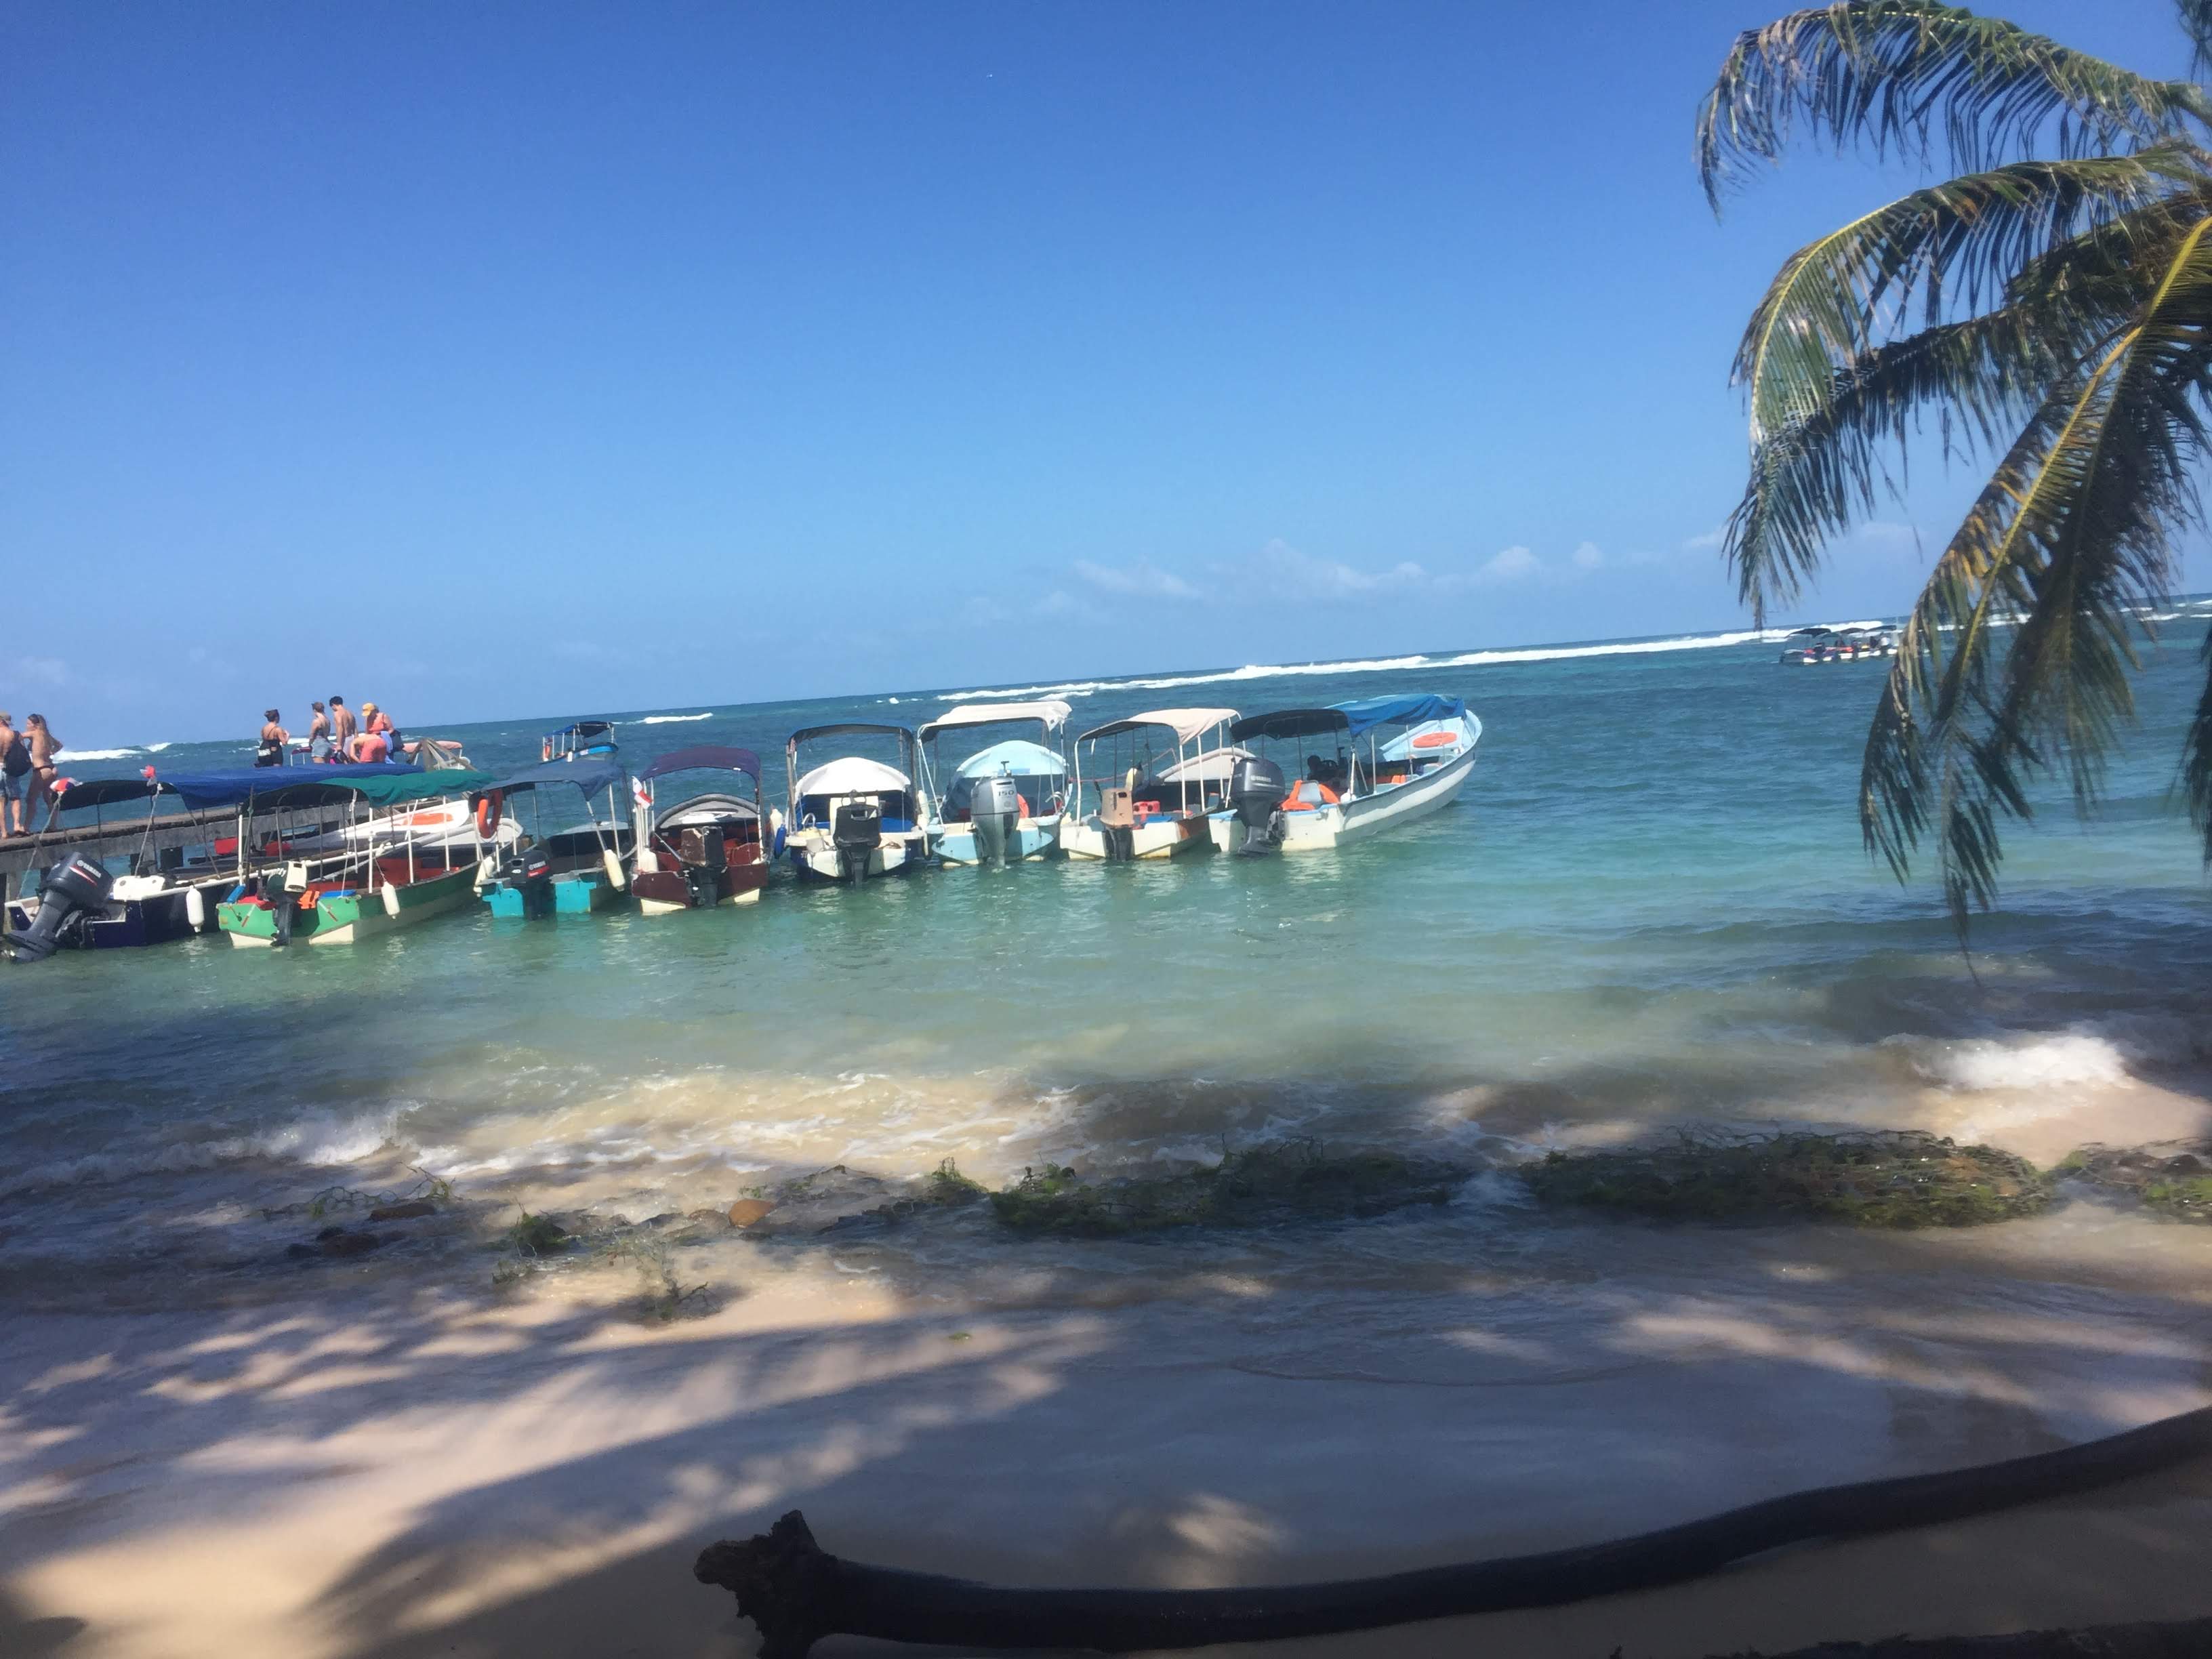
386, 1472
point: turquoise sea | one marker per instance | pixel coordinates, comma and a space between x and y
1650, 908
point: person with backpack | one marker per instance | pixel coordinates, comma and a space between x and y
14, 767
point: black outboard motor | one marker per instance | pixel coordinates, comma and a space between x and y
1256, 789
530, 870
704, 858
856, 830
995, 805
70, 891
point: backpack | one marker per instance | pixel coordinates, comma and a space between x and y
19, 757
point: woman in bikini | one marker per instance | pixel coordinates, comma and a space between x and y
44, 746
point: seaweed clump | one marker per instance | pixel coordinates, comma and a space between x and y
1281, 1181
2171, 1177
1887, 1178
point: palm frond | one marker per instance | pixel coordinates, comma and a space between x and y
2197, 760
1908, 74
2197, 24
1833, 463
1953, 246
1817, 476
2074, 534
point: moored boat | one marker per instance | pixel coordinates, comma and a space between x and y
852, 817
574, 870
1366, 782
387, 870
1150, 780
1003, 803
701, 850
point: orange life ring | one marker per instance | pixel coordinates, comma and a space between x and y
1296, 801
488, 808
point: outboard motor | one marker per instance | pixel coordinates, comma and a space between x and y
1256, 789
856, 830
69, 891
995, 805
530, 870
1117, 818
703, 856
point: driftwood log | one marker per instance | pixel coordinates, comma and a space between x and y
796, 1593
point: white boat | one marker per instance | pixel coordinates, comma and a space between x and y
1151, 780
1003, 803
852, 817
1394, 760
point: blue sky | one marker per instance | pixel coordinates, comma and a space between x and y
520, 358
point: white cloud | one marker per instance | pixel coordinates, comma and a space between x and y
1587, 557
1509, 564
46, 671
984, 611
1711, 538
1143, 580
1281, 571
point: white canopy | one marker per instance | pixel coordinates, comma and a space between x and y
1187, 724
1214, 766
853, 775
1051, 711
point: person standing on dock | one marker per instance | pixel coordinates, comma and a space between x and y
274, 737
318, 734
14, 767
342, 727
44, 746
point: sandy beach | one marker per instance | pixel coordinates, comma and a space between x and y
386, 1472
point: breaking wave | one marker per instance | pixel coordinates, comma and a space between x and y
67, 756
317, 1141
671, 719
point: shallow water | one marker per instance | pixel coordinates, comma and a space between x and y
1649, 908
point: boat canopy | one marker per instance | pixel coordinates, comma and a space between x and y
854, 774
384, 784
1214, 766
1051, 711
583, 729
1286, 723
1023, 759
1364, 713
1187, 724
589, 775
700, 758
1434, 739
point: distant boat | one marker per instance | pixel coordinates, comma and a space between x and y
1811, 646
579, 740
854, 817
571, 872
1365, 782
1152, 780
1002, 804
399, 863
705, 849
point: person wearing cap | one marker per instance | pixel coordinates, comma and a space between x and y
274, 737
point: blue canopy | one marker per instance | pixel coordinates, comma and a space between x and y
1364, 713
589, 775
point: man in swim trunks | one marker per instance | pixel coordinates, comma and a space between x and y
342, 725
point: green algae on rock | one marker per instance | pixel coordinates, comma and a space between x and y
2173, 1178
1264, 1186
1887, 1178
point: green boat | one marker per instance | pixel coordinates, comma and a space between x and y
383, 870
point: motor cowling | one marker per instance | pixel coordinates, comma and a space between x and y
1256, 790
995, 805
856, 830
69, 890
703, 857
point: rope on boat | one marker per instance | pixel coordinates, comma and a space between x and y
796, 1593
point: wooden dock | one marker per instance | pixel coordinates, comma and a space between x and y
124, 835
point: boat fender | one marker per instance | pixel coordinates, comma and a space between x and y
488, 808
392, 902
617, 877
195, 908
